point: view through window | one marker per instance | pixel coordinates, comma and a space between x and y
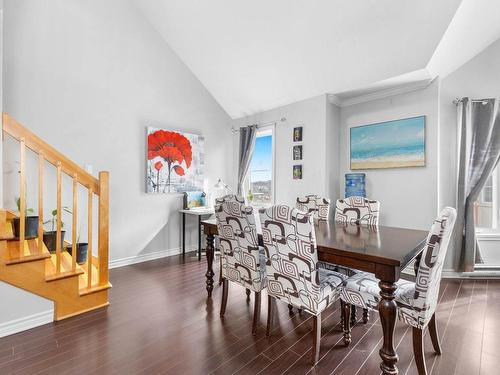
259, 181
486, 206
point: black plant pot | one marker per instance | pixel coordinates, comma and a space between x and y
81, 253
30, 227
50, 240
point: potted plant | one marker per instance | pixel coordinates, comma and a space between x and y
81, 250
50, 237
30, 222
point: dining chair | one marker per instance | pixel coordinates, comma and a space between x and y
416, 301
292, 267
318, 206
242, 260
357, 210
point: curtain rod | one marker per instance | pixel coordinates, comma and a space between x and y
456, 101
260, 125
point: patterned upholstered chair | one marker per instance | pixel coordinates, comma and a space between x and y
292, 267
242, 260
360, 211
357, 210
416, 301
319, 207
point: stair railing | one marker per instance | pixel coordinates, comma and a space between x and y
99, 187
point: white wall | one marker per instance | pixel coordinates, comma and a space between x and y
408, 196
312, 115
88, 77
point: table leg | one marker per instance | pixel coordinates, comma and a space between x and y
210, 260
387, 312
199, 237
183, 234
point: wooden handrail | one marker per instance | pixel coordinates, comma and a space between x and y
100, 187
33, 142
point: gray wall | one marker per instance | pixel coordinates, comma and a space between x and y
408, 196
88, 77
311, 114
478, 78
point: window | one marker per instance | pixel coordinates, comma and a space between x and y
486, 206
259, 183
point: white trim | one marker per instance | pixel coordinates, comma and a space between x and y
450, 274
139, 258
380, 94
27, 322
488, 236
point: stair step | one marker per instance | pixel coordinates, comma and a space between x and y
85, 291
66, 267
30, 252
83, 280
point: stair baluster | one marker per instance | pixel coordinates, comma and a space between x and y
41, 164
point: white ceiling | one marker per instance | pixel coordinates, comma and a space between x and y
260, 54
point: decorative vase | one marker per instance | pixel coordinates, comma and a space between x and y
81, 253
50, 240
30, 227
355, 185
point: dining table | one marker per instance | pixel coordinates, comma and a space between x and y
381, 250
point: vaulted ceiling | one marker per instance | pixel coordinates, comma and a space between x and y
260, 54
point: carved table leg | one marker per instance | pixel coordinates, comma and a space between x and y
387, 312
210, 260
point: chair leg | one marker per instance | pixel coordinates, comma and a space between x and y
434, 334
353, 316
366, 316
256, 313
347, 324
225, 287
316, 337
220, 271
248, 294
342, 314
418, 350
270, 315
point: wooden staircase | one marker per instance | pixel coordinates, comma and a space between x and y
27, 263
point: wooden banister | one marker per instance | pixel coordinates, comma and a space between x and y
100, 187
33, 142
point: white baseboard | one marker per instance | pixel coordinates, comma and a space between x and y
139, 258
25, 323
479, 274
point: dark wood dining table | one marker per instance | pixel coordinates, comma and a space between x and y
383, 251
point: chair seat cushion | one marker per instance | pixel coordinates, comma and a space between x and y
362, 290
330, 286
237, 272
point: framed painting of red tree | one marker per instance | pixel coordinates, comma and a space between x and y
175, 161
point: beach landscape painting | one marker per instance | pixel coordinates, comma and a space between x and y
390, 144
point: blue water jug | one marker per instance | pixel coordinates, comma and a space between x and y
355, 185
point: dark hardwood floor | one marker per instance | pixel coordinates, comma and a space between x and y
160, 322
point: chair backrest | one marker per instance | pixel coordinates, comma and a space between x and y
319, 207
290, 246
431, 263
357, 210
239, 244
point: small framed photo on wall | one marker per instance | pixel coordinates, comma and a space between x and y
297, 152
297, 134
297, 172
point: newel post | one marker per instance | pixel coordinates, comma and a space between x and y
103, 238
